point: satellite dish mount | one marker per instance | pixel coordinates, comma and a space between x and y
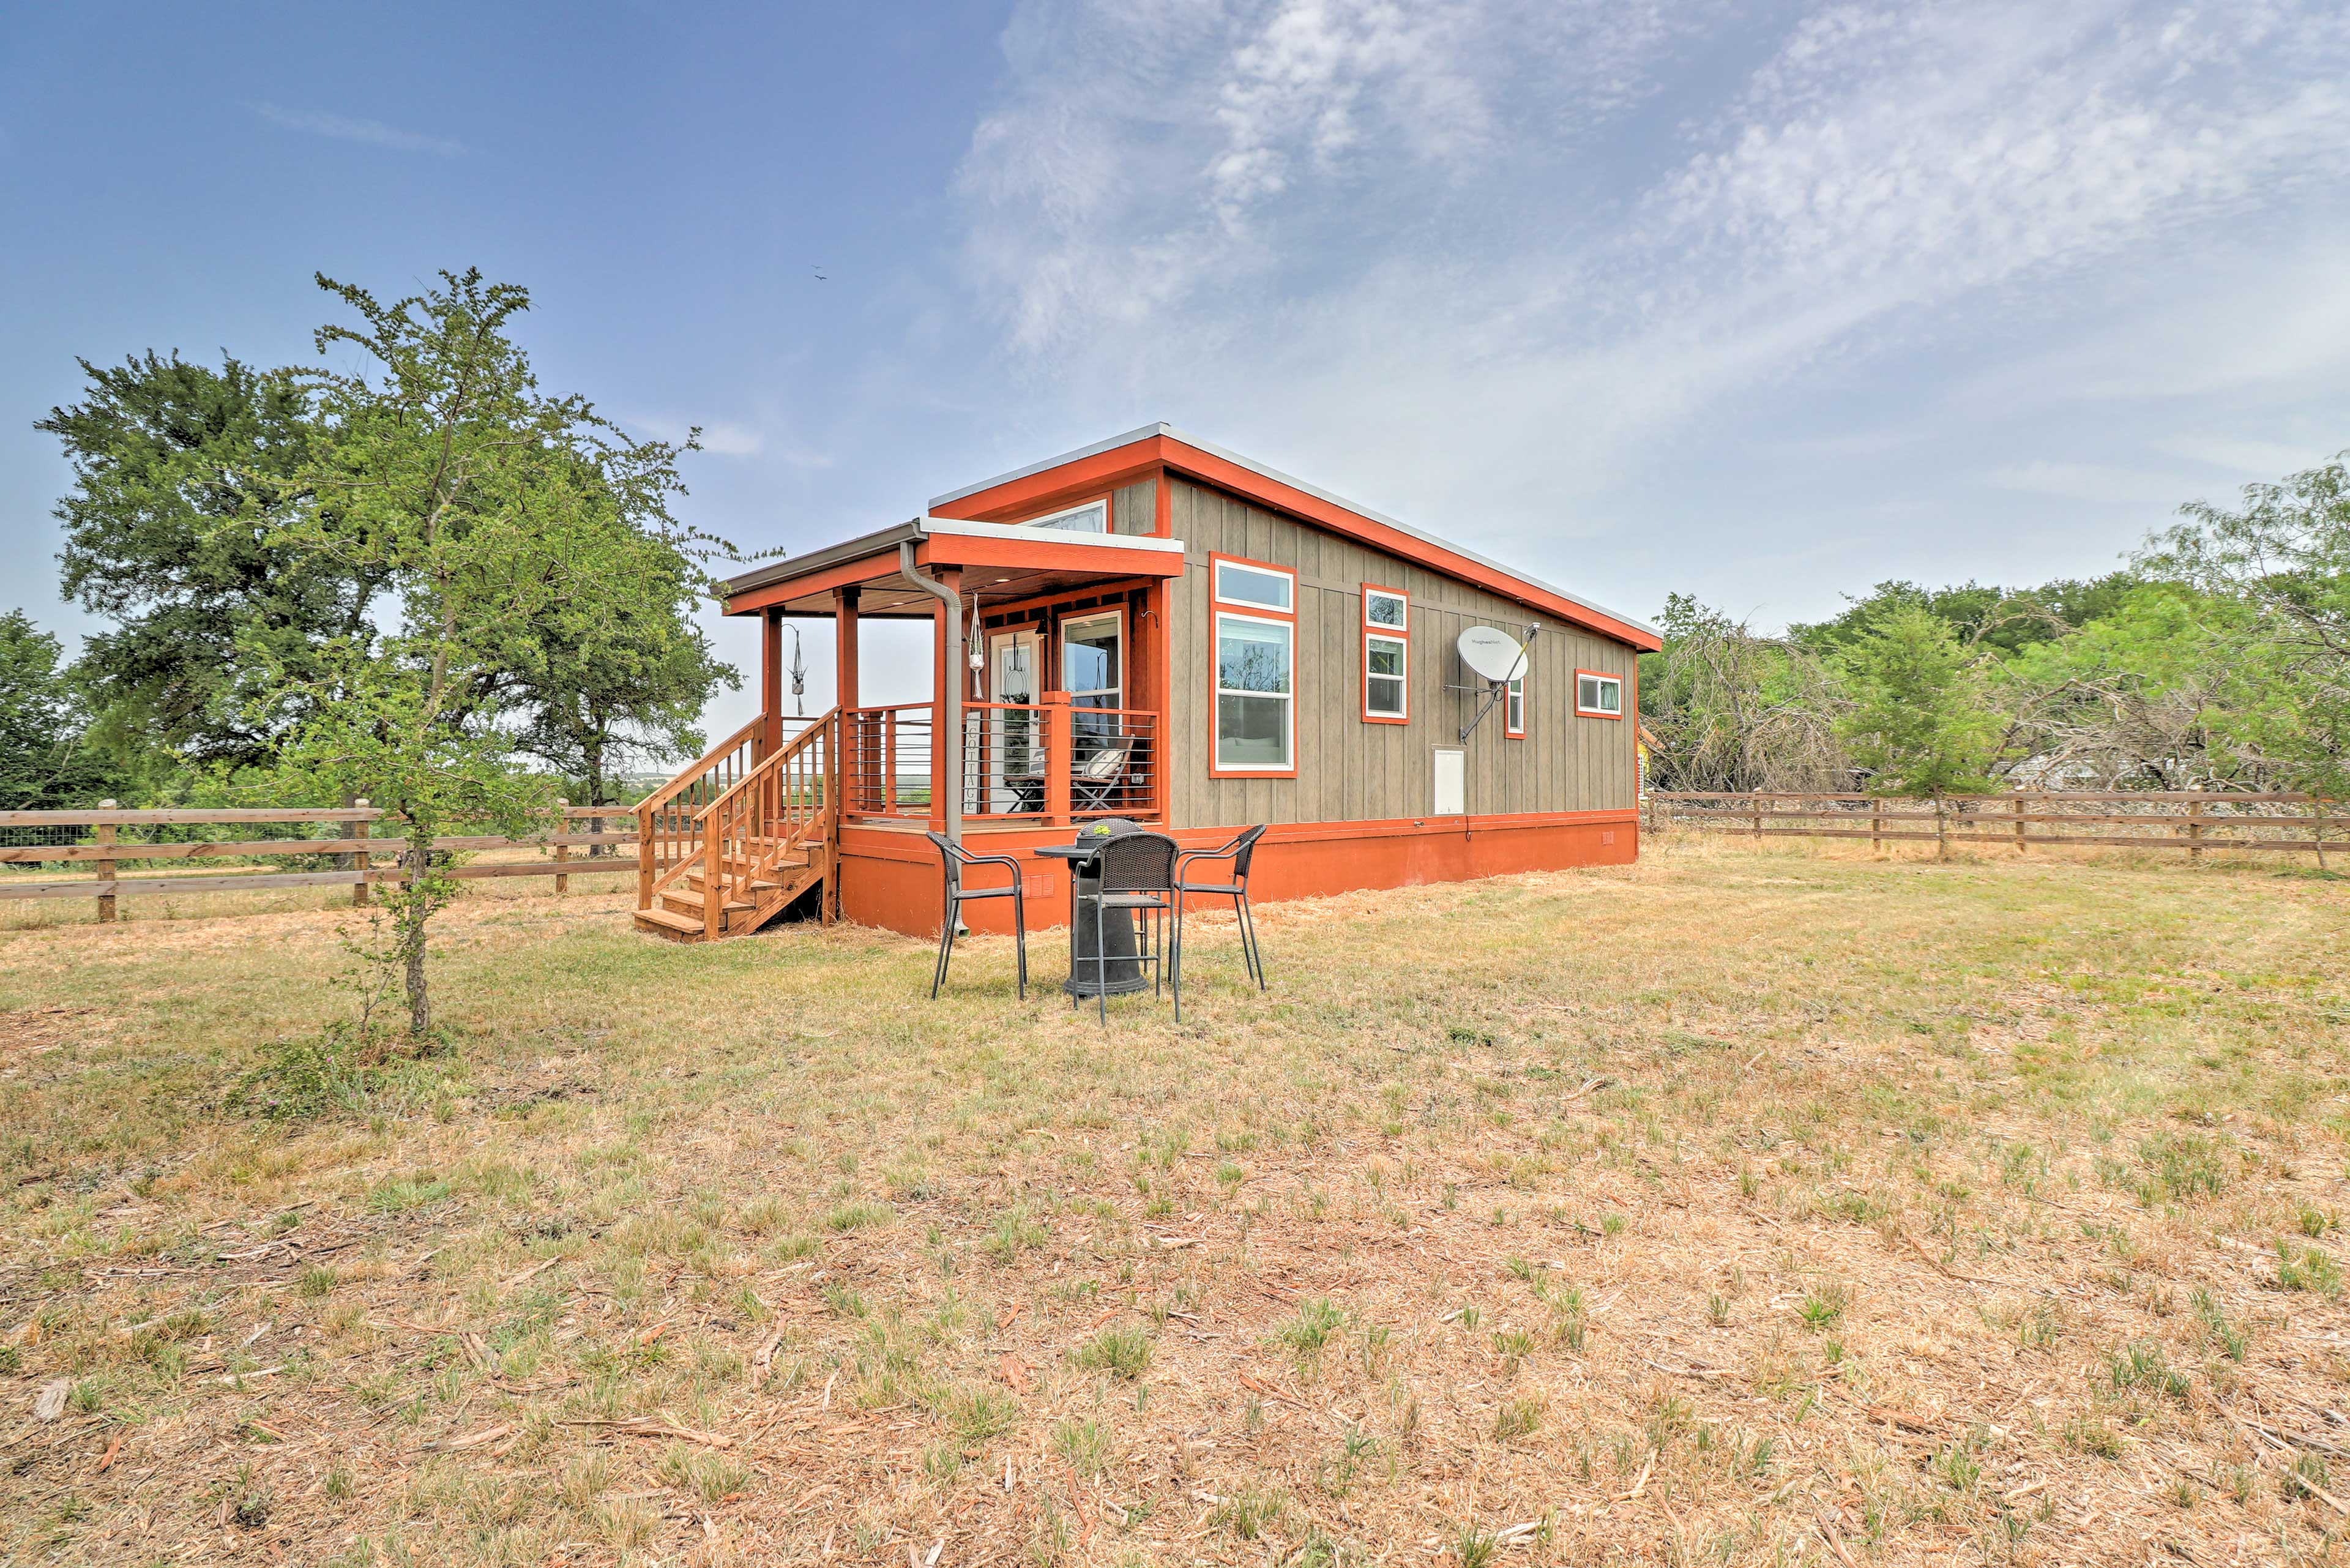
1496, 658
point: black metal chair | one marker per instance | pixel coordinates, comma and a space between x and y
1135, 874
956, 859
1238, 852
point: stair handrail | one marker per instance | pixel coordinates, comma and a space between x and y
731, 816
774, 760
701, 765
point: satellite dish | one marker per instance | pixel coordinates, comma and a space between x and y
1492, 653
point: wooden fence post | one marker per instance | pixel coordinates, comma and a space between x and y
106, 868
1941, 832
648, 848
1876, 828
2020, 847
2195, 830
1758, 817
363, 861
562, 851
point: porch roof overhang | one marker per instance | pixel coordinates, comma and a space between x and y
999, 561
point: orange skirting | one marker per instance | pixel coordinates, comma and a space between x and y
890, 877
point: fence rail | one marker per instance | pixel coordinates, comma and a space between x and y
2189, 820
56, 838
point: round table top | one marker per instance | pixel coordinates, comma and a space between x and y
1068, 851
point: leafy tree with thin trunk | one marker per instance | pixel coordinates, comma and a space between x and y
1918, 725
483, 507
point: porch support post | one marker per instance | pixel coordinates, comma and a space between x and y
770, 682
1060, 756
857, 773
1160, 598
844, 656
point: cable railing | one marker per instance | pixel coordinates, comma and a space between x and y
1047, 762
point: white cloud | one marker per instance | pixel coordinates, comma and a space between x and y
372, 132
1504, 268
735, 437
2094, 483
2253, 456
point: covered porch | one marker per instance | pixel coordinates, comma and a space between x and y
1048, 672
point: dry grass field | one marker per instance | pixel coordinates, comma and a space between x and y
1745, 1206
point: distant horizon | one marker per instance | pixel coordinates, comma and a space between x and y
1766, 310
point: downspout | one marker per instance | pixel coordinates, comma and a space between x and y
949, 672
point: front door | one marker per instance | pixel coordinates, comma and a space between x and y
1015, 763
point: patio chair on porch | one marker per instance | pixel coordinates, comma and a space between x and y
1100, 777
1239, 852
956, 859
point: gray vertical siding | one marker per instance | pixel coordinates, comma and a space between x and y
1134, 508
1350, 771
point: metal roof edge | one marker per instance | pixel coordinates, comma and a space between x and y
817, 560
1141, 432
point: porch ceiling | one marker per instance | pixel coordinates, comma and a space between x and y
1002, 564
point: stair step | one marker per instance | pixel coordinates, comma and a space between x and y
693, 902
664, 921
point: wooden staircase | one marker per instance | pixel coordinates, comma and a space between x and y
738, 836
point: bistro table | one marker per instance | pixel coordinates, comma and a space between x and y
1089, 934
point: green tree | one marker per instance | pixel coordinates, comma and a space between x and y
2136, 697
439, 469
181, 476
2285, 557
45, 763
1918, 724
620, 676
1731, 709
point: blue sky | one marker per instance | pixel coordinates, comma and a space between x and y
1760, 302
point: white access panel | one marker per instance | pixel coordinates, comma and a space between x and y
1452, 782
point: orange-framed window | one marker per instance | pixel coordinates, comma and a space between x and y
1386, 655
1252, 682
1513, 709
1598, 695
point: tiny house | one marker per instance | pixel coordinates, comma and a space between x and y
1157, 629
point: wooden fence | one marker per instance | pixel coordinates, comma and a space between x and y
2189, 820
97, 838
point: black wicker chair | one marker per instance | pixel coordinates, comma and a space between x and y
1136, 876
956, 859
1238, 852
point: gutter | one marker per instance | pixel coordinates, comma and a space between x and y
951, 683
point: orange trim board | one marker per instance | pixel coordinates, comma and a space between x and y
891, 878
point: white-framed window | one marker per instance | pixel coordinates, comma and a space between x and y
1598, 695
1385, 660
1384, 607
1255, 695
1259, 587
1093, 517
1513, 709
